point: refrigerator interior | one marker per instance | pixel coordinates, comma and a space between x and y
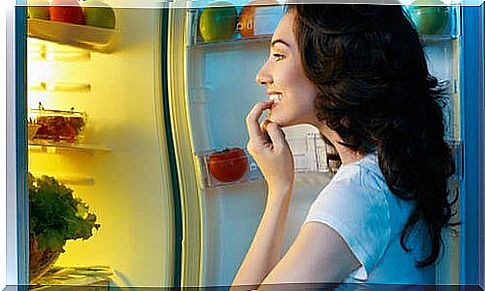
120, 166
220, 88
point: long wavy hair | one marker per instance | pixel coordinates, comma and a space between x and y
376, 92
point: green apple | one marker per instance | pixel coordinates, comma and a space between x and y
98, 14
218, 21
38, 9
429, 19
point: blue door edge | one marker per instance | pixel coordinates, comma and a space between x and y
472, 94
21, 164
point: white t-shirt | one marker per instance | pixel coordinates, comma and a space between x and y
358, 204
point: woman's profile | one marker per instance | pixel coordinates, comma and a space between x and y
358, 73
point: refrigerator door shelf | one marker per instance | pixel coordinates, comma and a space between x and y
84, 36
426, 21
253, 24
218, 169
436, 40
235, 42
221, 168
458, 156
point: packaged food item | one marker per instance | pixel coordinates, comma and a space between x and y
259, 17
59, 126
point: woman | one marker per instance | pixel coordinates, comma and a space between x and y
358, 73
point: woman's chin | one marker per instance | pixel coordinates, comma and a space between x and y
280, 121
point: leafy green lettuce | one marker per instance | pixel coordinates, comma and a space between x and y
56, 215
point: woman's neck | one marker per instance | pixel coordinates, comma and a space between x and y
346, 154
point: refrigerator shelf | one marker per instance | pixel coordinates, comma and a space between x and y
42, 50
437, 40
260, 39
55, 147
83, 36
226, 167
219, 168
66, 278
253, 24
70, 179
60, 87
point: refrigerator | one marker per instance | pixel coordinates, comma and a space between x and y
163, 109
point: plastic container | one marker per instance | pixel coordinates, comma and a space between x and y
59, 125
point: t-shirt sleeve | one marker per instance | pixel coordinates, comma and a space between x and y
359, 214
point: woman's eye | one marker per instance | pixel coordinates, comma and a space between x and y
278, 57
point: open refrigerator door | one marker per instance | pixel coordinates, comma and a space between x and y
214, 71
211, 89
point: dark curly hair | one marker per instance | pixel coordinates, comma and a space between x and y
376, 92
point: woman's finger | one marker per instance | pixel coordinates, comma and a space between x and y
264, 124
276, 134
252, 121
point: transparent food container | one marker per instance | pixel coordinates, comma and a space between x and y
59, 125
235, 165
32, 129
225, 167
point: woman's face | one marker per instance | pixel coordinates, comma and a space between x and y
283, 76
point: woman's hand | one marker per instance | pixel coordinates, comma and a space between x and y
268, 146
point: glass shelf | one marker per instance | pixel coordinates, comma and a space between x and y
83, 36
53, 147
60, 87
261, 39
90, 278
70, 179
437, 40
427, 40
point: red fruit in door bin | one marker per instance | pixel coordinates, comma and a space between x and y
228, 165
66, 11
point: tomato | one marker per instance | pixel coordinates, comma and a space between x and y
66, 11
228, 165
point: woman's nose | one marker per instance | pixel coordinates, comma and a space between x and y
263, 77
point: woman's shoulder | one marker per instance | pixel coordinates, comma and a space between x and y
363, 176
357, 187
363, 182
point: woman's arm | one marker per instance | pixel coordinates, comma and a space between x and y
269, 148
318, 255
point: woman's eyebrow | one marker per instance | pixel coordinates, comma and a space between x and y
280, 41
